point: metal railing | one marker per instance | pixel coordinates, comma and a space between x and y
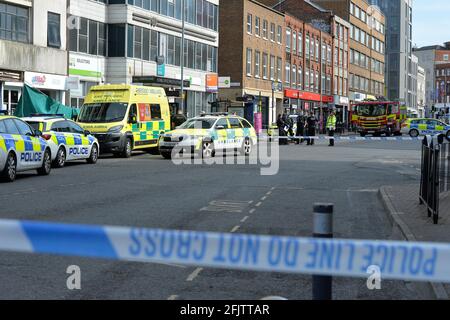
434, 179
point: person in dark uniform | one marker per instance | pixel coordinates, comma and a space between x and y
281, 132
300, 127
311, 123
178, 119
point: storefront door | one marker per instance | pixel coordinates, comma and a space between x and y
10, 99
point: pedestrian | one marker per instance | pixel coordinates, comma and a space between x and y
178, 119
311, 123
331, 127
300, 128
281, 132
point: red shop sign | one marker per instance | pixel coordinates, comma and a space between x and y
289, 93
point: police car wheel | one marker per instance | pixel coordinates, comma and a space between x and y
247, 147
46, 164
208, 149
10, 171
414, 133
94, 155
167, 155
128, 148
60, 160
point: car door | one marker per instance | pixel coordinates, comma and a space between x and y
82, 143
431, 126
30, 146
3, 147
61, 136
221, 134
235, 133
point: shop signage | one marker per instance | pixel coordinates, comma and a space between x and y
293, 94
224, 82
212, 82
45, 81
84, 66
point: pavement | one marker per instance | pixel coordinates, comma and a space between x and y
148, 191
405, 211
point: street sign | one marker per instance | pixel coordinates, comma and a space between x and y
224, 82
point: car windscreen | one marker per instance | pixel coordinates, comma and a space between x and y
198, 124
103, 112
371, 110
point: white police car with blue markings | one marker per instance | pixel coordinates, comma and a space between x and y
67, 140
21, 149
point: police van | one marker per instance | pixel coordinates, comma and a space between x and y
22, 148
125, 117
67, 140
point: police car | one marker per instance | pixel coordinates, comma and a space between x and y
416, 127
22, 148
207, 134
67, 140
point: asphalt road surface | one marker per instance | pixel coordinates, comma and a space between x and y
147, 191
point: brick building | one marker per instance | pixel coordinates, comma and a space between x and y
367, 46
251, 53
442, 83
334, 53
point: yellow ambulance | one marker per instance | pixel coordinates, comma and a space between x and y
125, 117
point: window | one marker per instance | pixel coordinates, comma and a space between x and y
90, 38
294, 76
14, 23
245, 123
288, 40
287, 74
307, 47
279, 35
306, 80
24, 129
264, 62
54, 30
83, 36
2, 127
279, 72
257, 64
235, 123
272, 68
300, 44
155, 111
317, 49
272, 32
300, 77
222, 123
11, 128
249, 62
257, 29
265, 26
311, 48
249, 23
294, 42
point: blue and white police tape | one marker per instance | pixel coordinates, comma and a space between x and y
343, 138
338, 257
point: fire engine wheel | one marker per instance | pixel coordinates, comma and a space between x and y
413, 133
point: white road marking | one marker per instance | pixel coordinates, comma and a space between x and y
173, 297
258, 204
263, 198
269, 193
236, 228
194, 274
245, 218
252, 210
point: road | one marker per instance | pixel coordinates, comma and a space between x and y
148, 191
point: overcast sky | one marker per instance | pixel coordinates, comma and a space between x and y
431, 22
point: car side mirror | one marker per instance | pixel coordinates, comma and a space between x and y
220, 127
37, 133
132, 118
87, 133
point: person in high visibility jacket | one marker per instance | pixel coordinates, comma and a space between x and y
331, 126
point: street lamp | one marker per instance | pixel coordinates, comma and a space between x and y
182, 52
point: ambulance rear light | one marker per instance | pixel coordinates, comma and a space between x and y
47, 136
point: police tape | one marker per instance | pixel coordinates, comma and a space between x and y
342, 138
397, 260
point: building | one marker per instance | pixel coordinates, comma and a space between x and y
400, 73
252, 54
334, 56
429, 57
421, 91
442, 85
140, 42
32, 49
411, 100
367, 46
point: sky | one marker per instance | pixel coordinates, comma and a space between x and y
431, 22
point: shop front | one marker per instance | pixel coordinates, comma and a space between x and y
51, 85
342, 112
11, 83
